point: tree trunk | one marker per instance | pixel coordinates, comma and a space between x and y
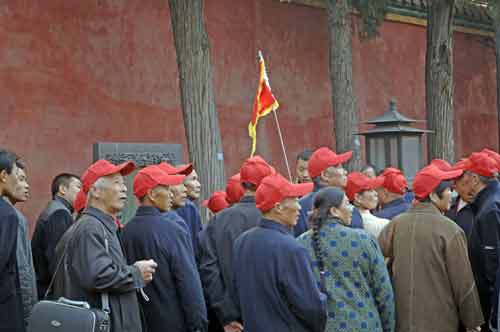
439, 79
197, 96
496, 26
343, 95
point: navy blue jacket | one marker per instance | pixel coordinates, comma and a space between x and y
216, 256
191, 215
11, 308
484, 248
306, 204
274, 282
394, 208
176, 300
173, 216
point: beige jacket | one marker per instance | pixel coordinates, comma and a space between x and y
433, 282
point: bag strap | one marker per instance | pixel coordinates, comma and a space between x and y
105, 296
59, 263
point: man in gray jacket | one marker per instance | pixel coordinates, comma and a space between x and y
94, 261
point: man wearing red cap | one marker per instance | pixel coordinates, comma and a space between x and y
273, 279
217, 202
234, 190
391, 194
216, 244
52, 223
183, 208
433, 282
176, 300
484, 242
361, 192
96, 266
325, 169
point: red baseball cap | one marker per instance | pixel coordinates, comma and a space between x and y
172, 170
102, 168
323, 158
480, 163
358, 182
275, 188
80, 201
442, 164
394, 181
217, 202
429, 178
254, 170
234, 190
493, 155
151, 176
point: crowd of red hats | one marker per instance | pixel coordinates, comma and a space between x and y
484, 163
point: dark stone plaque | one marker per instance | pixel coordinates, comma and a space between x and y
143, 154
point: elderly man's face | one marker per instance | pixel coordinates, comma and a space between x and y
112, 192
289, 211
335, 176
179, 193
464, 187
161, 196
302, 171
193, 185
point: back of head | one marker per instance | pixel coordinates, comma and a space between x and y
325, 199
305, 155
7, 161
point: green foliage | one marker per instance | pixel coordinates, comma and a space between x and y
372, 14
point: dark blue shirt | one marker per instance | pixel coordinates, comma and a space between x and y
176, 297
394, 208
274, 283
191, 215
306, 204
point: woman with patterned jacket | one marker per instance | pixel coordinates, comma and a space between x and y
349, 267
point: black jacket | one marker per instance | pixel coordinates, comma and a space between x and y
484, 248
89, 270
216, 256
52, 223
11, 309
463, 218
176, 302
274, 282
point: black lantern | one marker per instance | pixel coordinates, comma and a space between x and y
393, 142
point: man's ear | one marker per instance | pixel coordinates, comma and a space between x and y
434, 197
3, 176
357, 198
62, 189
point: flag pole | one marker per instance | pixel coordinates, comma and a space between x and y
282, 145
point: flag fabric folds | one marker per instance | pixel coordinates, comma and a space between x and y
265, 102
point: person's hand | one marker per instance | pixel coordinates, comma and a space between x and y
475, 329
233, 327
147, 269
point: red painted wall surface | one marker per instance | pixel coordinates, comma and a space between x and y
76, 72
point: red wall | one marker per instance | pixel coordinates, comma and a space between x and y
73, 73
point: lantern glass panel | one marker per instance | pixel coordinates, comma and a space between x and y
393, 152
410, 149
377, 152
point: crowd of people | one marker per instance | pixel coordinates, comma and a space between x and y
330, 251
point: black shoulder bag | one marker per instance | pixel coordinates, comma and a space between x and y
65, 315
